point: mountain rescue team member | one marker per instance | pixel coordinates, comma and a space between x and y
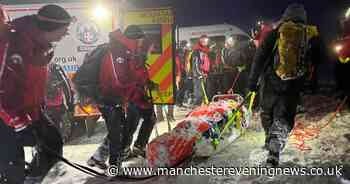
283, 74
262, 30
236, 58
140, 107
184, 93
200, 64
23, 83
124, 75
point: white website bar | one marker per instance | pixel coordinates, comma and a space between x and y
230, 171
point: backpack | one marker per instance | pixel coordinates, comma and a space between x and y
205, 62
291, 45
188, 63
58, 80
86, 79
202, 60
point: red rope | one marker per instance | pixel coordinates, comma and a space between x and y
300, 133
230, 91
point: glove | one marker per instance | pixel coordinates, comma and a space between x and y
152, 85
241, 68
230, 91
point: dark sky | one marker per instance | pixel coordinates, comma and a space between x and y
244, 13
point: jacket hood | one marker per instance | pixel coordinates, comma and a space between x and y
26, 26
200, 47
117, 36
295, 13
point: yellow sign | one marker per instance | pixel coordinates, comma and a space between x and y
157, 16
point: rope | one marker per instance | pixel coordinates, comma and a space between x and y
97, 174
300, 133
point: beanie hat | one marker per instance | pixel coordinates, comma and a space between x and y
52, 17
294, 12
134, 32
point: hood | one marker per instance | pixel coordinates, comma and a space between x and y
118, 37
295, 13
200, 47
26, 26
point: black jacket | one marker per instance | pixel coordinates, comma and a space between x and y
263, 60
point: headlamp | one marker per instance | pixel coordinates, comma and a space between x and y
338, 48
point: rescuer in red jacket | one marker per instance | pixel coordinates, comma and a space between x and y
23, 82
123, 75
261, 31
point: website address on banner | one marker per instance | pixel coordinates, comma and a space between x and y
222, 171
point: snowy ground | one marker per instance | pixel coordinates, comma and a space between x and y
329, 148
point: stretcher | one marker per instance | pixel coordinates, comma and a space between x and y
205, 131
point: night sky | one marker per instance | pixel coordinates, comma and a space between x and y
244, 13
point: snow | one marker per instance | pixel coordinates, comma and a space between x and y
329, 149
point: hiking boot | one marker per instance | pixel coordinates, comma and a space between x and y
118, 159
272, 160
126, 154
92, 162
136, 151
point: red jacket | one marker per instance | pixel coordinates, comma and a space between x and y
25, 73
202, 65
179, 68
122, 75
264, 31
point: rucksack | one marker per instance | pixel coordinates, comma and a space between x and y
291, 45
202, 59
86, 79
205, 62
57, 80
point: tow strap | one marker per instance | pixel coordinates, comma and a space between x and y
93, 172
103, 176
